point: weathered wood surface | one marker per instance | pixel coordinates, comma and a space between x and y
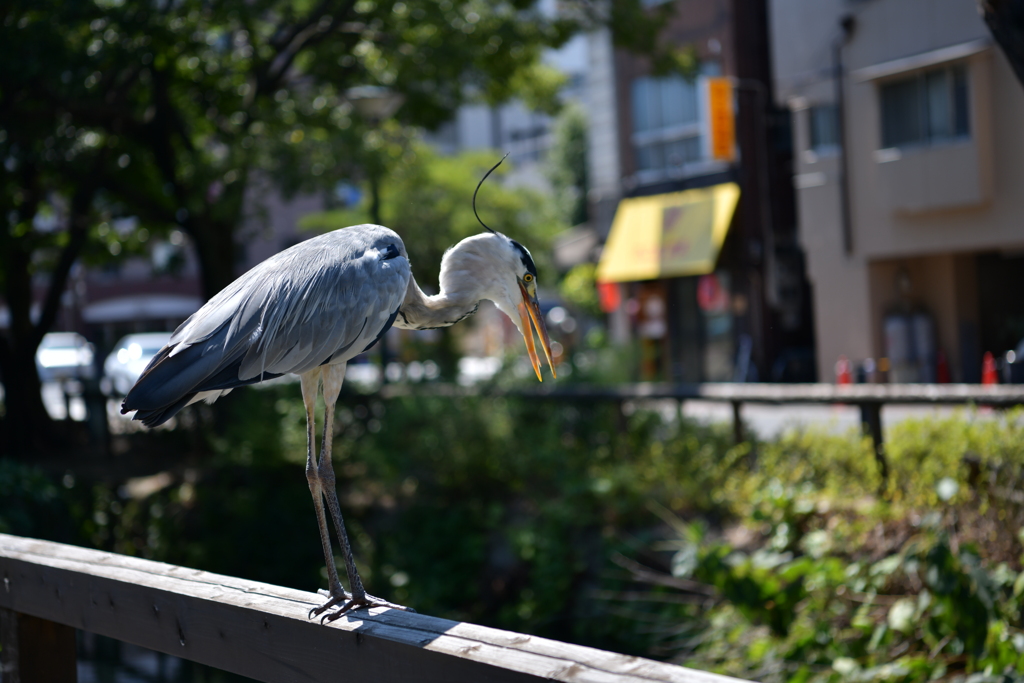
261, 631
991, 395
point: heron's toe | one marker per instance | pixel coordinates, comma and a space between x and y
355, 603
335, 599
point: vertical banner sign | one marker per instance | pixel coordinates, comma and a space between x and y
722, 119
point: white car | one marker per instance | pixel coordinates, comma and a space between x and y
64, 355
130, 357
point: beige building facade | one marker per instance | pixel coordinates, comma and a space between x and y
909, 167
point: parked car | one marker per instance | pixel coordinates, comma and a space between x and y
129, 358
64, 355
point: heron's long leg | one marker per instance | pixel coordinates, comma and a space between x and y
310, 382
333, 376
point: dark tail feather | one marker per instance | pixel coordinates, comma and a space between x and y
155, 418
170, 382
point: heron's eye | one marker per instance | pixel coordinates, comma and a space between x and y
528, 278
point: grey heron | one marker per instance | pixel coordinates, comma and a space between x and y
309, 310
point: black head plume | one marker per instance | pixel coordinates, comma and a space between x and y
478, 189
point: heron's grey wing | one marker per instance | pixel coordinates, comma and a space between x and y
323, 300
331, 315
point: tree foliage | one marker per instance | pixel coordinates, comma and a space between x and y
427, 199
193, 98
49, 193
568, 164
170, 111
579, 288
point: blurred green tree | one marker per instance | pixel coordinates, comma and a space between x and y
49, 190
427, 199
196, 98
179, 112
568, 164
579, 288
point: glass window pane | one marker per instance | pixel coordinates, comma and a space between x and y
663, 103
683, 151
901, 113
930, 106
654, 104
675, 154
681, 104
672, 101
691, 149
650, 157
824, 126
660, 106
658, 156
690, 114
938, 103
961, 121
643, 158
643, 112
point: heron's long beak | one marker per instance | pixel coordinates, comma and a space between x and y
529, 313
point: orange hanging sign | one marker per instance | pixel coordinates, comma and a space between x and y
722, 119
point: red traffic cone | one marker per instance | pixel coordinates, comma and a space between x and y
844, 374
942, 369
988, 369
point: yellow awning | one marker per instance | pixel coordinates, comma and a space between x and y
668, 235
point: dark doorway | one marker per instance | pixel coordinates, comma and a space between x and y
1001, 303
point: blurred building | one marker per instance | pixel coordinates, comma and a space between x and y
908, 156
514, 128
527, 136
691, 194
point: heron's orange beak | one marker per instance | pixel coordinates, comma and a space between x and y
529, 313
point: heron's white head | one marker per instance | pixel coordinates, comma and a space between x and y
493, 266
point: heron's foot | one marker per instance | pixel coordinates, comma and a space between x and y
334, 597
350, 603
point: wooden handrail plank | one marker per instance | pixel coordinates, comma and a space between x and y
261, 631
245, 633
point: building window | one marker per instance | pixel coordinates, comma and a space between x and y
666, 122
823, 120
928, 107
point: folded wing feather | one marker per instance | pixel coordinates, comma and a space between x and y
324, 300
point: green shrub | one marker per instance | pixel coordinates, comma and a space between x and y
31, 504
628, 529
833, 583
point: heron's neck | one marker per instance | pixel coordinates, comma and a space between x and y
420, 311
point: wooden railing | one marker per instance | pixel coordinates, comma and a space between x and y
261, 631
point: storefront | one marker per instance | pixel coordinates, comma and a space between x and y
662, 256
